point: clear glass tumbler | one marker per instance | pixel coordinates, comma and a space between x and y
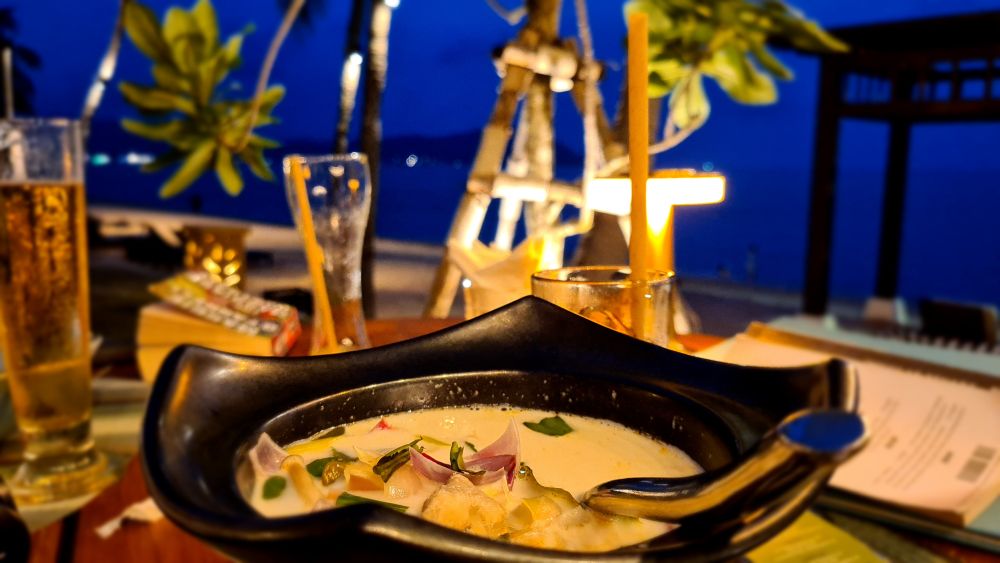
605, 295
339, 195
44, 303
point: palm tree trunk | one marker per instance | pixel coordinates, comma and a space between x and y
105, 72
349, 75
377, 62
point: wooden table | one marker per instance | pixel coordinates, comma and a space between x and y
73, 540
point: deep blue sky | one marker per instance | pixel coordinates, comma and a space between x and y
441, 82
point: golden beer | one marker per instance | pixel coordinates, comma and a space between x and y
44, 307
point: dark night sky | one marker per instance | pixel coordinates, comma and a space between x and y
441, 82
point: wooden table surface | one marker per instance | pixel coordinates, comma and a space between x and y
73, 540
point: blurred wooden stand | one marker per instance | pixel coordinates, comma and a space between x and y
532, 66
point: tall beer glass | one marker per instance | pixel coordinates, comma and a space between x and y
44, 303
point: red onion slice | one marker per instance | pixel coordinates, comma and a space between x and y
267, 454
492, 463
429, 467
488, 477
507, 445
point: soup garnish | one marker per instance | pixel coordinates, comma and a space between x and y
517, 486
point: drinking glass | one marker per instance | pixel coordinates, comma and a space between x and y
44, 304
339, 195
605, 295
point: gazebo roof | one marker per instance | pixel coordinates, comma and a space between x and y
945, 33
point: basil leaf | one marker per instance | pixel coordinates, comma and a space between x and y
393, 460
472, 447
347, 499
340, 456
273, 487
551, 426
315, 468
331, 433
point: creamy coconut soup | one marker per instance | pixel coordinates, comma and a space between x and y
504, 473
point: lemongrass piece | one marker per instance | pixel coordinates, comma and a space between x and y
302, 482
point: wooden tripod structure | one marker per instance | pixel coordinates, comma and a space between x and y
534, 65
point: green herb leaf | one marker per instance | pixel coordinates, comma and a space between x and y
273, 487
315, 467
331, 433
342, 457
393, 460
471, 446
347, 499
551, 426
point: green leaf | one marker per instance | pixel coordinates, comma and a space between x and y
347, 499
145, 97
143, 29
154, 131
193, 166
688, 103
263, 142
457, 463
471, 446
273, 487
393, 460
551, 426
271, 97
204, 17
167, 78
163, 160
664, 74
315, 468
229, 177
184, 39
340, 456
771, 63
740, 77
210, 73
254, 158
231, 50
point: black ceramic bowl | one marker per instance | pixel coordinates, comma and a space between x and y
208, 408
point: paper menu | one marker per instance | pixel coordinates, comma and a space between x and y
935, 443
